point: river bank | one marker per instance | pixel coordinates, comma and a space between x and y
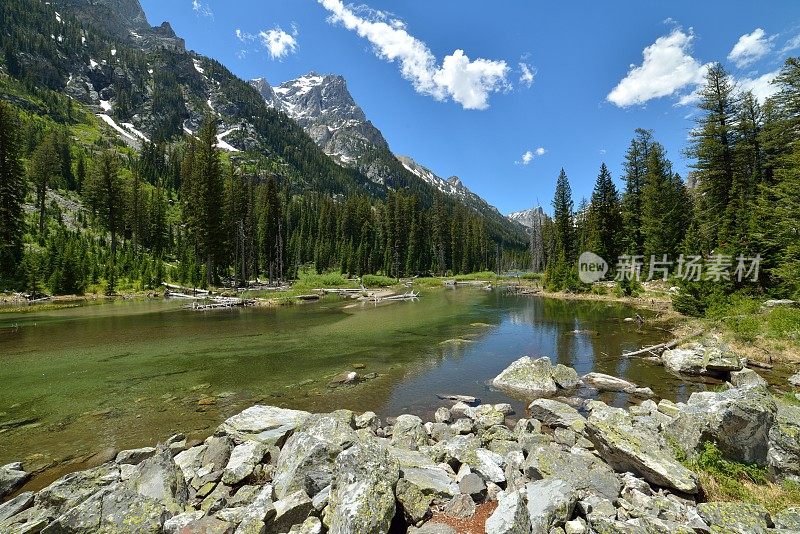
577, 465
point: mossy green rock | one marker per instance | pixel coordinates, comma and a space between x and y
788, 519
627, 448
529, 377
783, 456
362, 499
734, 517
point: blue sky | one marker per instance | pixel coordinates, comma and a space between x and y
601, 69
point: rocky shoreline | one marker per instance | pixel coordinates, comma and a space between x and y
569, 466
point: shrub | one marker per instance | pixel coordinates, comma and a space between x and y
372, 280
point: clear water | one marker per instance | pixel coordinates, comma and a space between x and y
127, 374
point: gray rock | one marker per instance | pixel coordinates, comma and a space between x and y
260, 510
409, 432
737, 420
575, 526
442, 415
697, 359
74, 488
415, 504
795, 380
565, 377
208, 525
626, 448
21, 502
430, 480
486, 416
783, 456
320, 500
242, 461
11, 477
529, 377
504, 408
306, 460
788, 519
473, 485
737, 517
557, 414
511, 515
311, 525
189, 461
368, 420
174, 524
778, 303
550, 503
583, 470
747, 378
603, 382
461, 507
265, 423
135, 456
362, 497
217, 452
290, 510
432, 528
463, 426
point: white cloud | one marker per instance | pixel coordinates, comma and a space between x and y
761, 87
750, 48
791, 44
529, 155
527, 74
668, 67
278, 43
202, 9
468, 82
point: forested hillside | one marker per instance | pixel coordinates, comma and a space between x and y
740, 206
128, 161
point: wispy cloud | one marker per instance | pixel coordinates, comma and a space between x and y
762, 86
751, 47
529, 156
791, 44
468, 82
276, 41
202, 9
527, 74
667, 68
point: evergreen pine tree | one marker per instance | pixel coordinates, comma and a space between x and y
605, 218
12, 195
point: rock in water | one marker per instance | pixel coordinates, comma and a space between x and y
565, 377
603, 382
747, 378
737, 421
627, 448
529, 377
511, 515
362, 497
697, 359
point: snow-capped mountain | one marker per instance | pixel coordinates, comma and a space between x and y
526, 217
324, 107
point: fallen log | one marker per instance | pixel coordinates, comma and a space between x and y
661, 347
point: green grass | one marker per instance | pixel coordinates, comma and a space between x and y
483, 275
746, 320
373, 280
724, 480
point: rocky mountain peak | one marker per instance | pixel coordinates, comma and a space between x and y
526, 217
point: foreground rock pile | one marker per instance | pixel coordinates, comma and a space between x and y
273, 470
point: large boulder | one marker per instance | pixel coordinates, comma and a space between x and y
268, 424
583, 470
261, 509
737, 420
306, 460
628, 448
242, 461
783, 456
603, 382
362, 499
527, 377
409, 432
697, 359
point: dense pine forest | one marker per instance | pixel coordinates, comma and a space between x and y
741, 200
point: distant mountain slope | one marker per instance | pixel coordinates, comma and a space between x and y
526, 217
324, 107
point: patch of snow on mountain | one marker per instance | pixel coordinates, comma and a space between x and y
197, 66
105, 105
221, 143
136, 132
108, 120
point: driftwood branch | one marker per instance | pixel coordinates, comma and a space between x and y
655, 350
